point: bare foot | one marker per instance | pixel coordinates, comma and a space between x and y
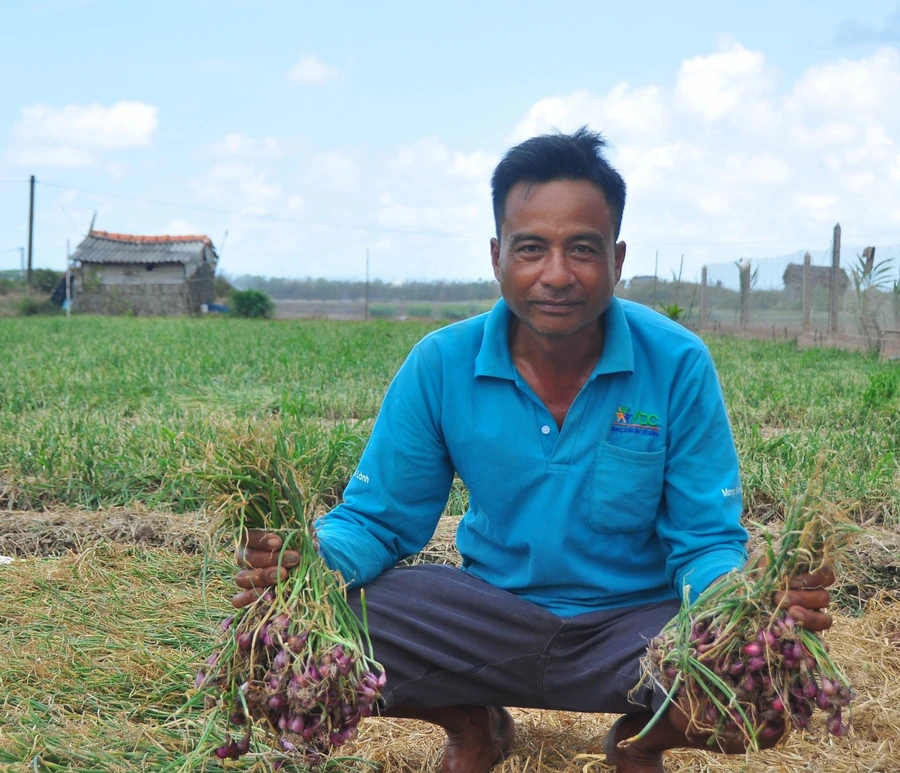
481, 743
630, 759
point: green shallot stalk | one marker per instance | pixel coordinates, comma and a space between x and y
297, 662
735, 661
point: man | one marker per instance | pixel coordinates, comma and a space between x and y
603, 482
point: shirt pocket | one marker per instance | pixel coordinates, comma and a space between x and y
626, 490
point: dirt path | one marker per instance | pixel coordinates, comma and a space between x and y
52, 532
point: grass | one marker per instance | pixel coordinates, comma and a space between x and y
101, 412
98, 647
98, 650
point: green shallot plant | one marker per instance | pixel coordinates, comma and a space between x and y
296, 662
736, 662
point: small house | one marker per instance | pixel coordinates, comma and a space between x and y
143, 275
820, 277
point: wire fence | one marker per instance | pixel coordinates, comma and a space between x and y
852, 303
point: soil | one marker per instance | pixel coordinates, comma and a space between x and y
53, 532
873, 568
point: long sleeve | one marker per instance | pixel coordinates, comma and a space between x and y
702, 525
396, 496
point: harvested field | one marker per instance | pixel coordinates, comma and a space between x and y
130, 624
118, 583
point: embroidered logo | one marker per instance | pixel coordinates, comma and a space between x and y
635, 422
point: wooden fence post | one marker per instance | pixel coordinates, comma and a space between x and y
832, 290
744, 269
704, 300
807, 291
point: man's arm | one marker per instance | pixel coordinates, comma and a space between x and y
702, 490
396, 496
394, 499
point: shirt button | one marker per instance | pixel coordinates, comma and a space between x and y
545, 429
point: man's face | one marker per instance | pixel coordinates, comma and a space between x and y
556, 260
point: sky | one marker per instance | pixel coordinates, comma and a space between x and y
301, 136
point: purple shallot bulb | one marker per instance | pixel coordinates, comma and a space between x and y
736, 668
226, 624
752, 649
756, 663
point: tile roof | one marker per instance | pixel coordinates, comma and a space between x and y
150, 239
104, 247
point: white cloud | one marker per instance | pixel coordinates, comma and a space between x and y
74, 135
623, 112
475, 166
241, 145
311, 69
122, 125
763, 168
849, 87
295, 204
714, 86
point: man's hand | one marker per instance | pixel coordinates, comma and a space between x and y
807, 599
258, 558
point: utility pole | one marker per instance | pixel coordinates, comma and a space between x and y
367, 283
68, 280
30, 234
655, 272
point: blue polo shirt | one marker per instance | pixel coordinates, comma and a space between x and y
636, 497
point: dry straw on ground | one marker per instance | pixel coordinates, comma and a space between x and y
97, 649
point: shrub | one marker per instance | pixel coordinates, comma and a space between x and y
223, 288
251, 304
30, 306
382, 310
44, 280
419, 310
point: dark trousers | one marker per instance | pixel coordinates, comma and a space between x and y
445, 638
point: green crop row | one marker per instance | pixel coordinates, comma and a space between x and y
99, 412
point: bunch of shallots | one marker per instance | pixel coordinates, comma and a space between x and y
296, 662
736, 663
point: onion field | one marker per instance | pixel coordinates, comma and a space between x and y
119, 579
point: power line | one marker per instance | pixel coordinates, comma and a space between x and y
400, 231
272, 218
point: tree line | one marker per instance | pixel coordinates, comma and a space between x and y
355, 290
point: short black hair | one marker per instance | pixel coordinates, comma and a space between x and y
559, 156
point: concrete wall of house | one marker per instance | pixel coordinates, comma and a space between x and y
133, 289
140, 273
